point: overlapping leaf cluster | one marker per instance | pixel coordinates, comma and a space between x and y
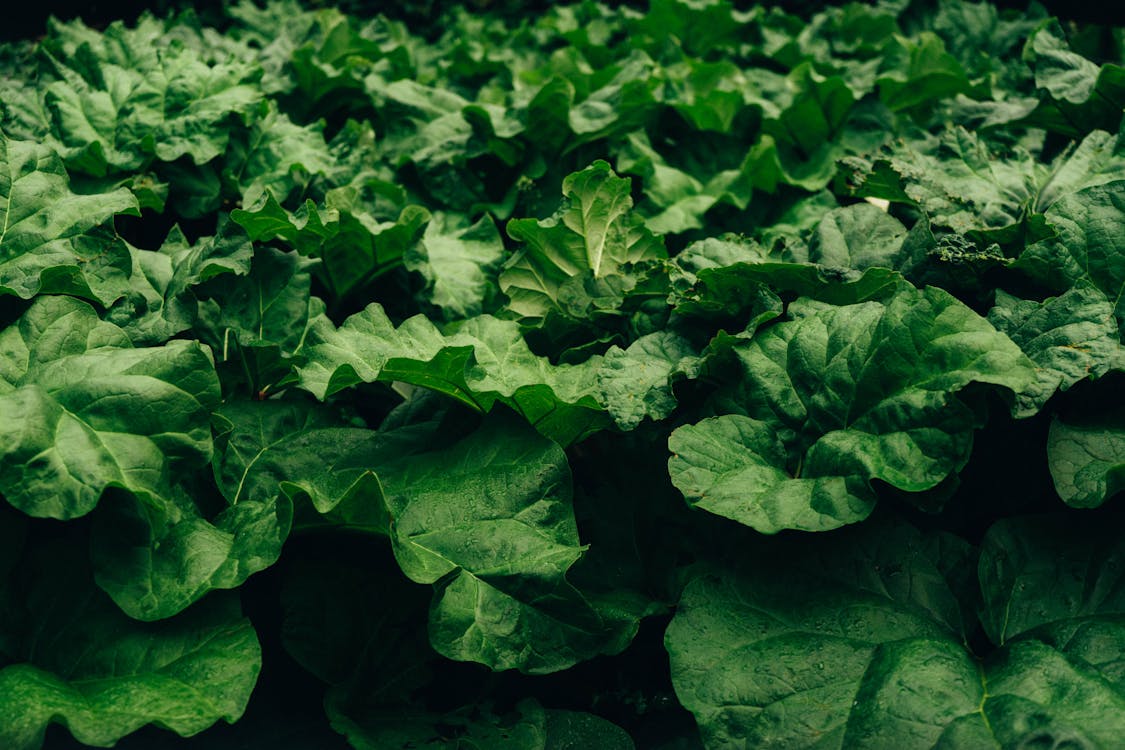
437, 335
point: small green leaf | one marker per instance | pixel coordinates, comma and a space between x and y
1087, 458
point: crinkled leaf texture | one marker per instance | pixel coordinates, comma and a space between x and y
637, 382
82, 410
837, 397
595, 234
1086, 455
46, 244
488, 519
1070, 338
481, 362
858, 641
157, 556
82, 663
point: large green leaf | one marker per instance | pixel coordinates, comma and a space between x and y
488, 519
855, 641
837, 397
1039, 571
161, 300
45, 240
483, 361
125, 97
955, 179
82, 410
725, 275
155, 557
302, 450
83, 664
1076, 94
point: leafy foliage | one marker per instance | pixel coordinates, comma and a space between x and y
680, 376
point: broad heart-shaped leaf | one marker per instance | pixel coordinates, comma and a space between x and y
637, 382
82, 410
1086, 455
1040, 571
45, 240
488, 520
773, 654
839, 396
1089, 231
851, 642
595, 233
155, 557
104, 675
481, 362
457, 258
1069, 338
301, 449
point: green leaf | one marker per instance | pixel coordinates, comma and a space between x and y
306, 230
1097, 160
726, 274
156, 558
482, 362
839, 396
269, 311
46, 245
853, 641
637, 382
1080, 95
595, 234
127, 96
489, 520
1089, 227
112, 675
778, 652
271, 447
1087, 458
1070, 338
919, 71
1041, 570
458, 260
276, 156
161, 301
956, 180
82, 410
857, 237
